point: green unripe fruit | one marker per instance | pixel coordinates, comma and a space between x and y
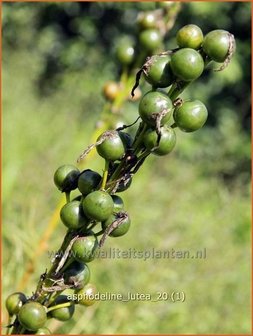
187, 64
125, 51
118, 203
154, 103
217, 43
65, 313
88, 181
122, 229
43, 331
98, 205
159, 73
14, 302
191, 116
65, 178
86, 295
72, 215
167, 141
146, 20
150, 39
190, 36
84, 248
77, 274
32, 316
112, 148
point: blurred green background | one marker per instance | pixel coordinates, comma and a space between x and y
56, 58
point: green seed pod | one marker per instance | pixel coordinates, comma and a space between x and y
86, 295
32, 316
98, 205
112, 148
72, 215
14, 302
154, 103
150, 39
167, 141
190, 36
77, 274
158, 72
122, 229
88, 181
217, 44
84, 248
65, 178
187, 64
146, 20
125, 50
190, 116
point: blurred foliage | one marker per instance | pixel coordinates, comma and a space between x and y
71, 36
56, 59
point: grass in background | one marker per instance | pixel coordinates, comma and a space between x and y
182, 202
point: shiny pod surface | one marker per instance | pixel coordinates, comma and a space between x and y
84, 248
112, 148
166, 143
191, 116
32, 316
98, 205
154, 103
159, 73
187, 64
190, 36
216, 44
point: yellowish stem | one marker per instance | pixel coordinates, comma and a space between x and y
61, 305
105, 175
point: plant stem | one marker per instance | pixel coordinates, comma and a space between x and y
53, 297
144, 155
40, 293
67, 264
67, 194
139, 139
61, 305
116, 172
176, 89
126, 83
105, 175
10, 319
137, 146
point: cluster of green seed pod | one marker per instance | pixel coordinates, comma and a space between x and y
131, 50
98, 211
32, 316
176, 69
149, 37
